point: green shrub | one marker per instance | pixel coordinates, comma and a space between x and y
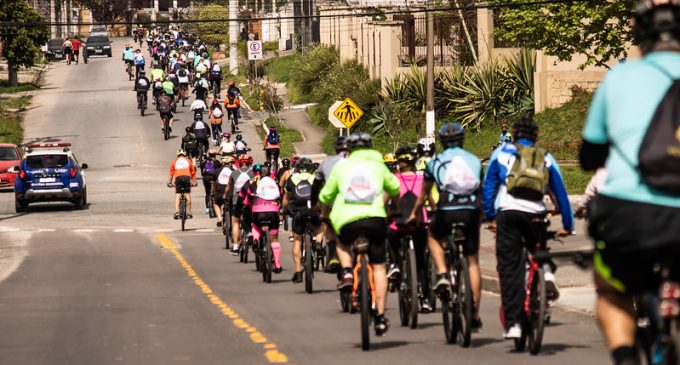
213, 33
311, 71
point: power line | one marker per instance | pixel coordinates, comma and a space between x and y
359, 12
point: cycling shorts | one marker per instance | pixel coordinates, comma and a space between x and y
631, 238
167, 115
374, 229
301, 217
440, 227
271, 219
182, 184
128, 62
219, 200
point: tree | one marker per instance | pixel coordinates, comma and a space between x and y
107, 10
214, 33
600, 30
21, 45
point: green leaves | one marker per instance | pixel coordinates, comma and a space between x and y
21, 45
214, 33
598, 29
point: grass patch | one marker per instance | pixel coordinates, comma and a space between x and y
270, 46
288, 136
575, 179
278, 69
10, 122
5, 88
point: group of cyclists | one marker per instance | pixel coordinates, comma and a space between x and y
422, 193
180, 62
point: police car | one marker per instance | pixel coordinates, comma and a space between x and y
49, 172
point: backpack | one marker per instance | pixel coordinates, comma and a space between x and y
362, 187
459, 178
209, 167
529, 176
274, 138
189, 142
223, 177
408, 200
164, 105
216, 71
302, 190
659, 154
241, 180
267, 189
217, 113
231, 102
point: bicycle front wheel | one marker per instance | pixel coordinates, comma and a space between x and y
364, 303
226, 228
308, 263
537, 310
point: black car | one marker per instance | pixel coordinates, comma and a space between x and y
53, 50
98, 46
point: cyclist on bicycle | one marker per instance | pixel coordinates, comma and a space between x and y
425, 149
220, 182
457, 174
320, 176
390, 161
234, 91
157, 74
216, 114
227, 147
232, 104
190, 144
139, 61
165, 106
297, 201
516, 181
283, 173
202, 132
207, 166
272, 145
241, 145
128, 57
236, 182
142, 85
200, 87
216, 79
410, 188
169, 88
263, 196
635, 221
183, 174
355, 189
198, 107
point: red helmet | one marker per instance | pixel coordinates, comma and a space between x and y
245, 159
294, 159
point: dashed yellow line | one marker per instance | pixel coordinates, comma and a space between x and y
271, 352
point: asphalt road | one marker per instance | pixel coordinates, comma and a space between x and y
117, 283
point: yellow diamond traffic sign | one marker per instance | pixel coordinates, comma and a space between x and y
348, 113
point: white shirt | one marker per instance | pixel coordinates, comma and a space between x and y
198, 104
228, 147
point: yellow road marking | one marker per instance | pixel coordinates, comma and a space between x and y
271, 353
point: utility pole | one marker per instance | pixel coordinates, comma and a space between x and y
429, 76
233, 36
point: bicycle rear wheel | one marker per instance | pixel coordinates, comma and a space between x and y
268, 258
308, 263
226, 227
537, 309
464, 303
364, 303
183, 211
412, 281
345, 299
166, 129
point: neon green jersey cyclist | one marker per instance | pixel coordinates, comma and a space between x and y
355, 189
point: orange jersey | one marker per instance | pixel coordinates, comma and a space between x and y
183, 166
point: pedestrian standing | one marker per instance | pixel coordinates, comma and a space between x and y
67, 46
76, 49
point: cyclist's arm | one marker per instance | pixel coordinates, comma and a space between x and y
316, 188
492, 182
595, 147
560, 192
192, 168
425, 195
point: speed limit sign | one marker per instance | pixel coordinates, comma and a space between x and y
254, 50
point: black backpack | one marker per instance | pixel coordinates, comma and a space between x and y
164, 105
659, 155
407, 202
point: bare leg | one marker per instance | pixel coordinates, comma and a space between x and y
475, 281
189, 204
380, 280
177, 203
297, 252
615, 314
235, 229
437, 254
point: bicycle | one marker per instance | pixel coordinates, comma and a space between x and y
265, 253
243, 248
233, 122
129, 71
408, 287
226, 225
182, 207
141, 103
166, 128
363, 282
309, 256
457, 303
211, 207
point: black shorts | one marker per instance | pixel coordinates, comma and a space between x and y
631, 238
301, 217
167, 115
182, 184
219, 200
271, 219
127, 62
76, 52
374, 229
440, 227
67, 50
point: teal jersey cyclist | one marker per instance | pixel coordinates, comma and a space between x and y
356, 188
634, 225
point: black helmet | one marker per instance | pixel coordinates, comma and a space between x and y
426, 146
265, 170
341, 144
525, 128
405, 154
359, 140
187, 129
655, 21
285, 162
239, 137
452, 135
304, 164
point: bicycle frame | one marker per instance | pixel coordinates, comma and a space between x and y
357, 267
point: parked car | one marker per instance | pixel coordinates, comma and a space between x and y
98, 46
10, 158
50, 172
53, 49
99, 31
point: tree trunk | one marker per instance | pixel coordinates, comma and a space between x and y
467, 33
13, 74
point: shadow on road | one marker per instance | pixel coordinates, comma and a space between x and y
481, 342
13, 216
378, 345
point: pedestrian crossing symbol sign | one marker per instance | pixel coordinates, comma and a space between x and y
348, 113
